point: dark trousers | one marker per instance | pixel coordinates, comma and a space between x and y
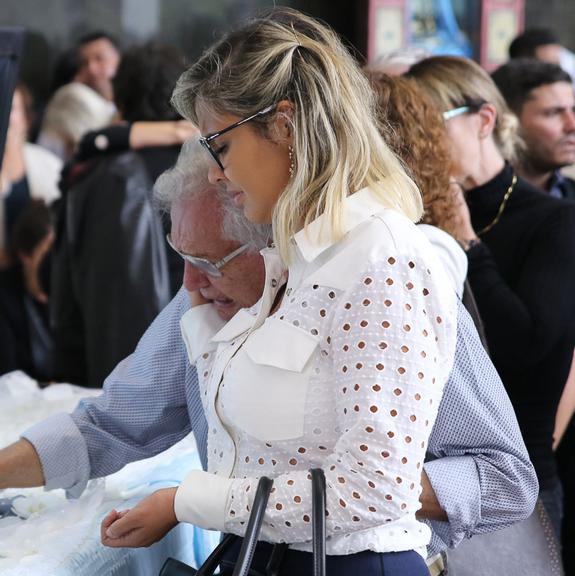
367, 563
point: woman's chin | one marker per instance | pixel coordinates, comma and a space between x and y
255, 215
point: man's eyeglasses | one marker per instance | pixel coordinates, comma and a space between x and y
205, 140
206, 266
471, 106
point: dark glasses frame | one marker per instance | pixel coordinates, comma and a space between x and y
205, 140
469, 106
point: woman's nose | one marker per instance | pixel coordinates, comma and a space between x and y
216, 174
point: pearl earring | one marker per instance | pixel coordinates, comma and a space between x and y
291, 169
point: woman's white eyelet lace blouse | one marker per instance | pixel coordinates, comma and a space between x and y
346, 375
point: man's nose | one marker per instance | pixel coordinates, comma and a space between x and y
194, 279
569, 121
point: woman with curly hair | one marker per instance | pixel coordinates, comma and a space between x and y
520, 248
414, 129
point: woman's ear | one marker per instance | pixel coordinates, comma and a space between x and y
487, 119
283, 128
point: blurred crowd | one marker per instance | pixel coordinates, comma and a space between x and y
85, 265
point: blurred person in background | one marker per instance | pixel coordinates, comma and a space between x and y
98, 60
521, 254
536, 43
28, 171
113, 269
73, 110
541, 96
86, 102
397, 62
544, 45
24, 291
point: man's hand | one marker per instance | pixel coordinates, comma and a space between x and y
196, 299
430, 507
143, 525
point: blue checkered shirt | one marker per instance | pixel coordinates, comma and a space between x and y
478, 464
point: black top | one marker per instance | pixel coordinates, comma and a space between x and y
14, 205
567, 188
25, 338
112, 267
523, 278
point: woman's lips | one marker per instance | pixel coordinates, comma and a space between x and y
238, 196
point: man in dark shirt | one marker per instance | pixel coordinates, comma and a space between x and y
541, 95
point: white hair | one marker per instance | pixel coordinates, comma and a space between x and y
74, 110
189, 178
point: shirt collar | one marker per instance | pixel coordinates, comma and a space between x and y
555, 186
316, 237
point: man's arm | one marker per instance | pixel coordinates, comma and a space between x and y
149, 402
20, 466
479, 468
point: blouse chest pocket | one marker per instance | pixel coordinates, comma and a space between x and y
265, 385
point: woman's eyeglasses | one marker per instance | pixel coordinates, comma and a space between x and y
205, 140
471, 106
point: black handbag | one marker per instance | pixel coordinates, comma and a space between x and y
173, 567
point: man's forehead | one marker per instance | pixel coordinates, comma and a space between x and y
99, 45
196, 225
549, 93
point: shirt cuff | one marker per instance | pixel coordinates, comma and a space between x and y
63, 453
455, 482
201, 499
198, 325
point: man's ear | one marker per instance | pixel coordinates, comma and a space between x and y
283, 128
487, 119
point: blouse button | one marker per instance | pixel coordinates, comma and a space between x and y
274, 283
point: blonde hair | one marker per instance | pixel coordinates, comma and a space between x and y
337, 146
452, 81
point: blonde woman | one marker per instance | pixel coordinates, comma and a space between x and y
342, 362
521, 253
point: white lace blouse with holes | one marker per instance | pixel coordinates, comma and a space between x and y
346, 375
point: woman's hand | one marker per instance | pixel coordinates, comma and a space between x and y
143, 525
458, 221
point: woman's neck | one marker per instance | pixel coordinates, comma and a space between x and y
488, 166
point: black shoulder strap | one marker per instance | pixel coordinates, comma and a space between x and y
318, 515
471, 305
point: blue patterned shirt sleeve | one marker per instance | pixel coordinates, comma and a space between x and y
482, 475
479, 467
149, 402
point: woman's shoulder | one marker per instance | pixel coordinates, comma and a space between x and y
450, 253
390, 231
385, 241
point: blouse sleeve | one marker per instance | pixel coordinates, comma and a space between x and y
390, 349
